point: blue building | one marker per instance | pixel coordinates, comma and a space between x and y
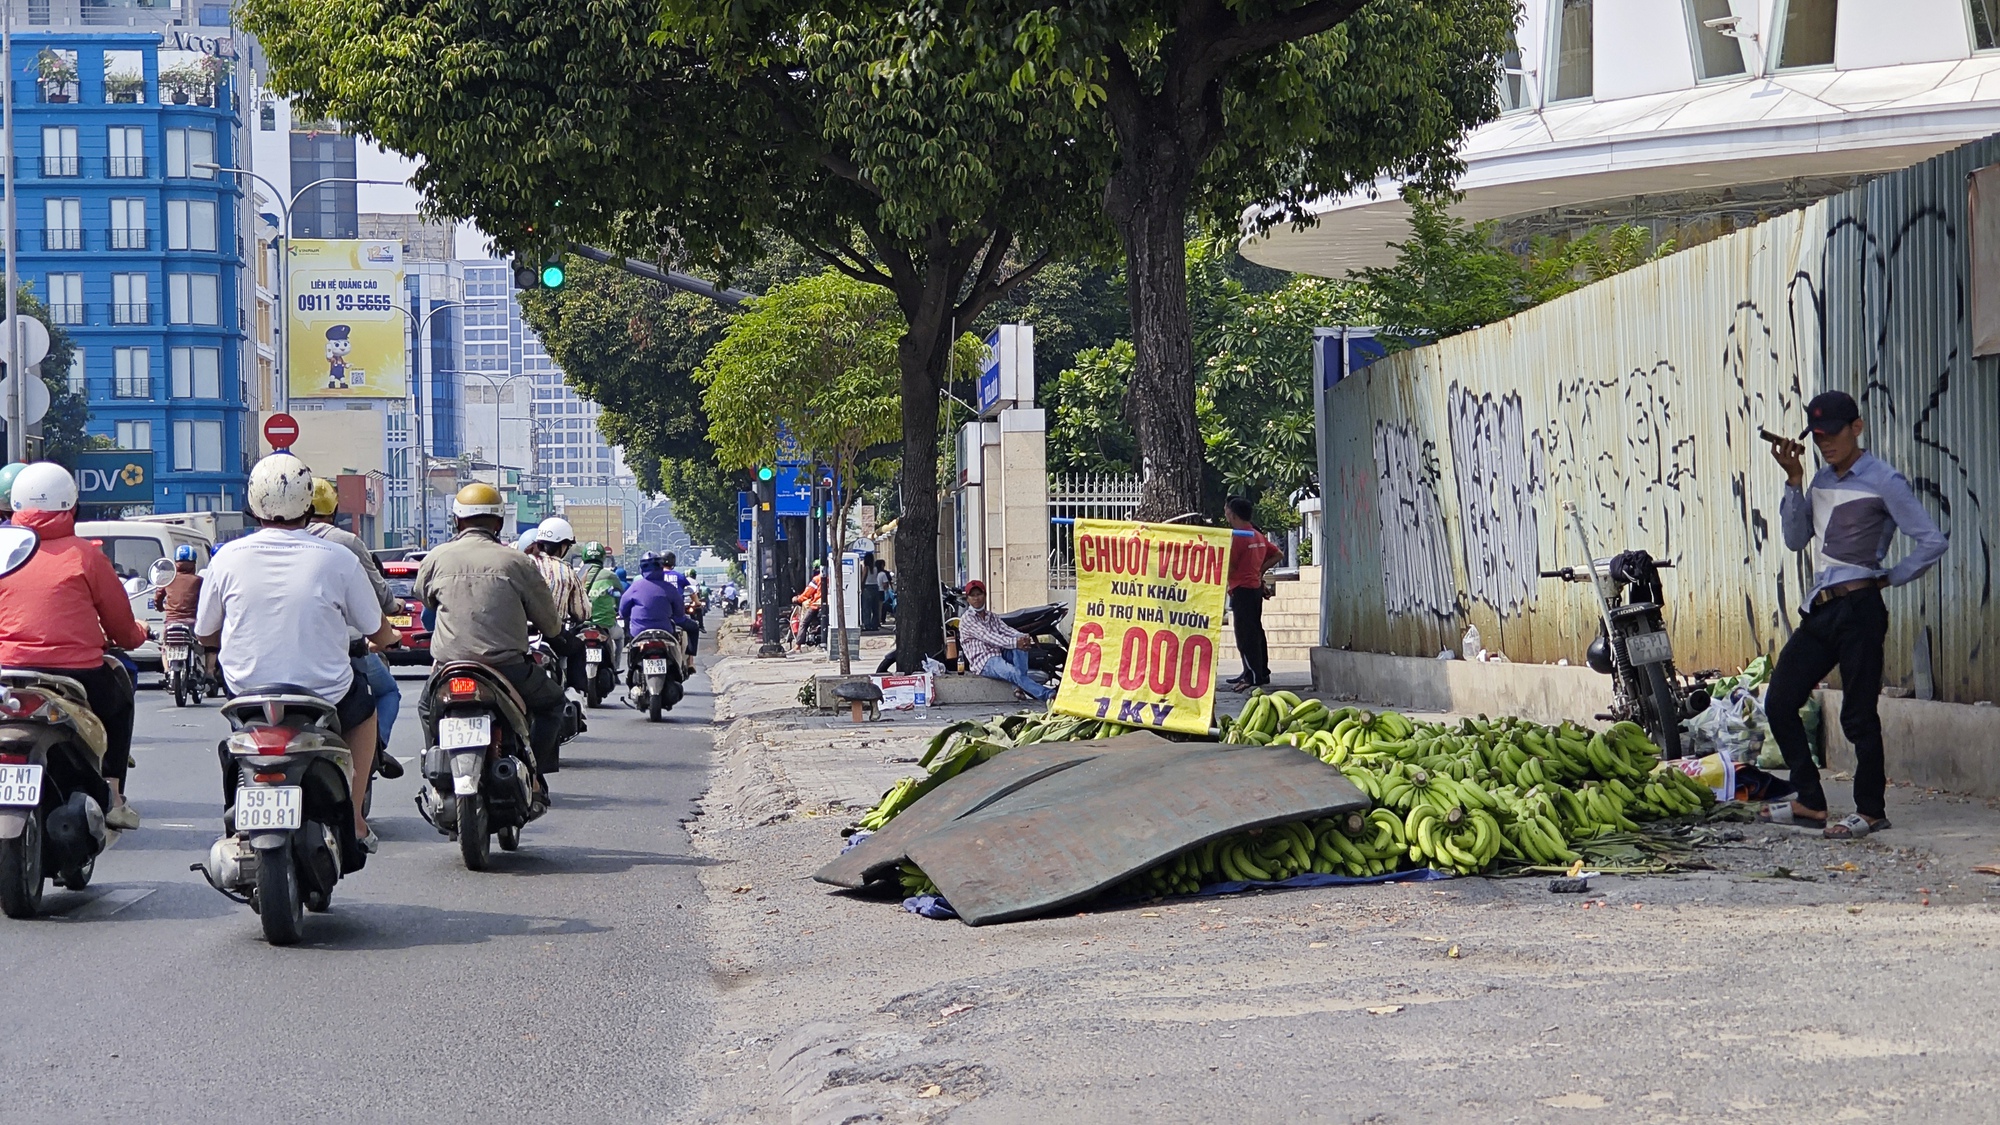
137, 247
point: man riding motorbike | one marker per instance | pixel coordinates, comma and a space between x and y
553, 539
812, 601
177, 600
485, 597
603, 587
57, 613
653, 602
281, 600
381, 681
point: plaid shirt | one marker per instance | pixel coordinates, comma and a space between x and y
572, 599
984, 636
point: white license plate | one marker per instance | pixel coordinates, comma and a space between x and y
261, 807
176, 652
1648, 648
461, 732
594, 656
656, 667
20, 785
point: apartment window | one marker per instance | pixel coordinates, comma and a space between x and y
62, 224
198, 447
59, 151
1570, 57
66, 298
135, 435
1985, 16
190, 224
1805, 36
197, 372
1717, 54
128, 224
128, 151
191, 298
1513, 79
77, 383
129, 301
187, 149
132, 373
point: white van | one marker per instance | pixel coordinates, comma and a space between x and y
133, 546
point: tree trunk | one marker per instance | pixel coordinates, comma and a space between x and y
925, 354
1147, 199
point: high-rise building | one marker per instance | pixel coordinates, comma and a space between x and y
132, 234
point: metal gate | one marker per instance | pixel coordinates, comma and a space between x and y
1072, 496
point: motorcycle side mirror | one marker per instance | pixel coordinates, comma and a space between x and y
160, 573
17, 546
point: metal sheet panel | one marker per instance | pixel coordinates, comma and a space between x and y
1639, 398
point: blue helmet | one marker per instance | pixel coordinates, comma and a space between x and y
184, 553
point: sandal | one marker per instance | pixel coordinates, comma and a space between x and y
1781, 812
1854, 826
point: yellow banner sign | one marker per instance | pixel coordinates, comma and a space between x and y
348, 330
1149, 603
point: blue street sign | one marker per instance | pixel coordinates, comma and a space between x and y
794, 485
989, 373
746, 520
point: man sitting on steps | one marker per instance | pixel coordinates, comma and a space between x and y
995, 649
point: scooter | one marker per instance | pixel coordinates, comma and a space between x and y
186, 664
601, 675
479, 762
288, 830
656, 667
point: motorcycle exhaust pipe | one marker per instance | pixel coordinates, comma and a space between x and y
508, 772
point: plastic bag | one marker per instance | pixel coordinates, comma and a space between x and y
932, 666
1734, 727
1713, 770
1469, 647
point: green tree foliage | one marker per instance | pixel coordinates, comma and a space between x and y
1215, 106
64, 432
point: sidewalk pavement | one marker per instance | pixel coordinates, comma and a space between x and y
1786, 985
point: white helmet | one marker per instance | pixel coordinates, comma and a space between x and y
526, 540
281, 488
44, 487
555, 529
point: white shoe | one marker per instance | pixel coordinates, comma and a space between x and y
124, 818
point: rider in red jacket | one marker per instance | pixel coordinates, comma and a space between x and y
59, 612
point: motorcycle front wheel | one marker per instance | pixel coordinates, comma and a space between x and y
475, 843
21, 870
279, 903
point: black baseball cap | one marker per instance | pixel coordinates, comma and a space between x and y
1830, 412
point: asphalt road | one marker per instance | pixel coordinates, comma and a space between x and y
567, 984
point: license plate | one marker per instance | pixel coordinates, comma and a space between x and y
656, 667
176, 652
400, 621
594, 656
1648, 648
464, 732
20, 785
261, 807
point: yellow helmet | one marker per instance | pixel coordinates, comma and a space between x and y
325, 497
477, 499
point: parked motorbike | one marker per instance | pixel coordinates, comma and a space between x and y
1041, 623
288, 830
656, 669
601, 673
186, 664
479, 764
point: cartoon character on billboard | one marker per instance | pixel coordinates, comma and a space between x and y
337, 347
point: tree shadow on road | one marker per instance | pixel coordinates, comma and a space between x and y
620, 764
362, 926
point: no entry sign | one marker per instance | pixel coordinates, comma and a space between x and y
281, 430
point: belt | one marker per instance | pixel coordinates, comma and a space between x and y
1845, 588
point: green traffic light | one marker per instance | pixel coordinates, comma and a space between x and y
552, 276
765, 472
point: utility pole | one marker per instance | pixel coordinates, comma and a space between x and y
17, 430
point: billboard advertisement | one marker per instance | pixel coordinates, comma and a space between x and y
349, 336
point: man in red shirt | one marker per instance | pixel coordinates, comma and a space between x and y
1250, 557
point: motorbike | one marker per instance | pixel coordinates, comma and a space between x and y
479, 764
186, 664
288, 831
51, 758
1042, 624
656, 667
601, 674
1632, 646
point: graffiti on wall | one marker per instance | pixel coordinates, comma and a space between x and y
1499, 475
1416, 564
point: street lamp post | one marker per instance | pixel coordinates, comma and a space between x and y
419, 345
284, 255
498, 422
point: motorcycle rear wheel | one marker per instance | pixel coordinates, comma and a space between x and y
1666, 711
475, 841
279, 904
178, 683
21, 870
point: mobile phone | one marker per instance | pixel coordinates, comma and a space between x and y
1774, 439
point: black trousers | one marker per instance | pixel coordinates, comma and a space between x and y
109, 690
1845, 633
1247, 604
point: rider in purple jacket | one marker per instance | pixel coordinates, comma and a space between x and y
653, 601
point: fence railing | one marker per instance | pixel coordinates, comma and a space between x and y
1083, 496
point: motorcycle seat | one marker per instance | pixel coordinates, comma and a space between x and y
279, 689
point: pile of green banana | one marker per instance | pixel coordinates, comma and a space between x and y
963, 745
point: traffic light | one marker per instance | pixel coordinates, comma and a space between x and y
549, 275
767, 488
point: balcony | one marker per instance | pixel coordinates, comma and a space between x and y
127, 238
60, 166
132, 314
125, 167
66, 314
130, 386
62, 238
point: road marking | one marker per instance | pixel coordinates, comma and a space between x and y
106, 904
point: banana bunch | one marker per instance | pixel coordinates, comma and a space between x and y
963, 745
900, 796
1452, 838
914, 881
1265, 717
1359, 845
1668, 792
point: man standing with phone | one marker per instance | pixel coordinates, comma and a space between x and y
1854, 506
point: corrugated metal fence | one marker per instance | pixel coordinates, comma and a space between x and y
1640, 398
